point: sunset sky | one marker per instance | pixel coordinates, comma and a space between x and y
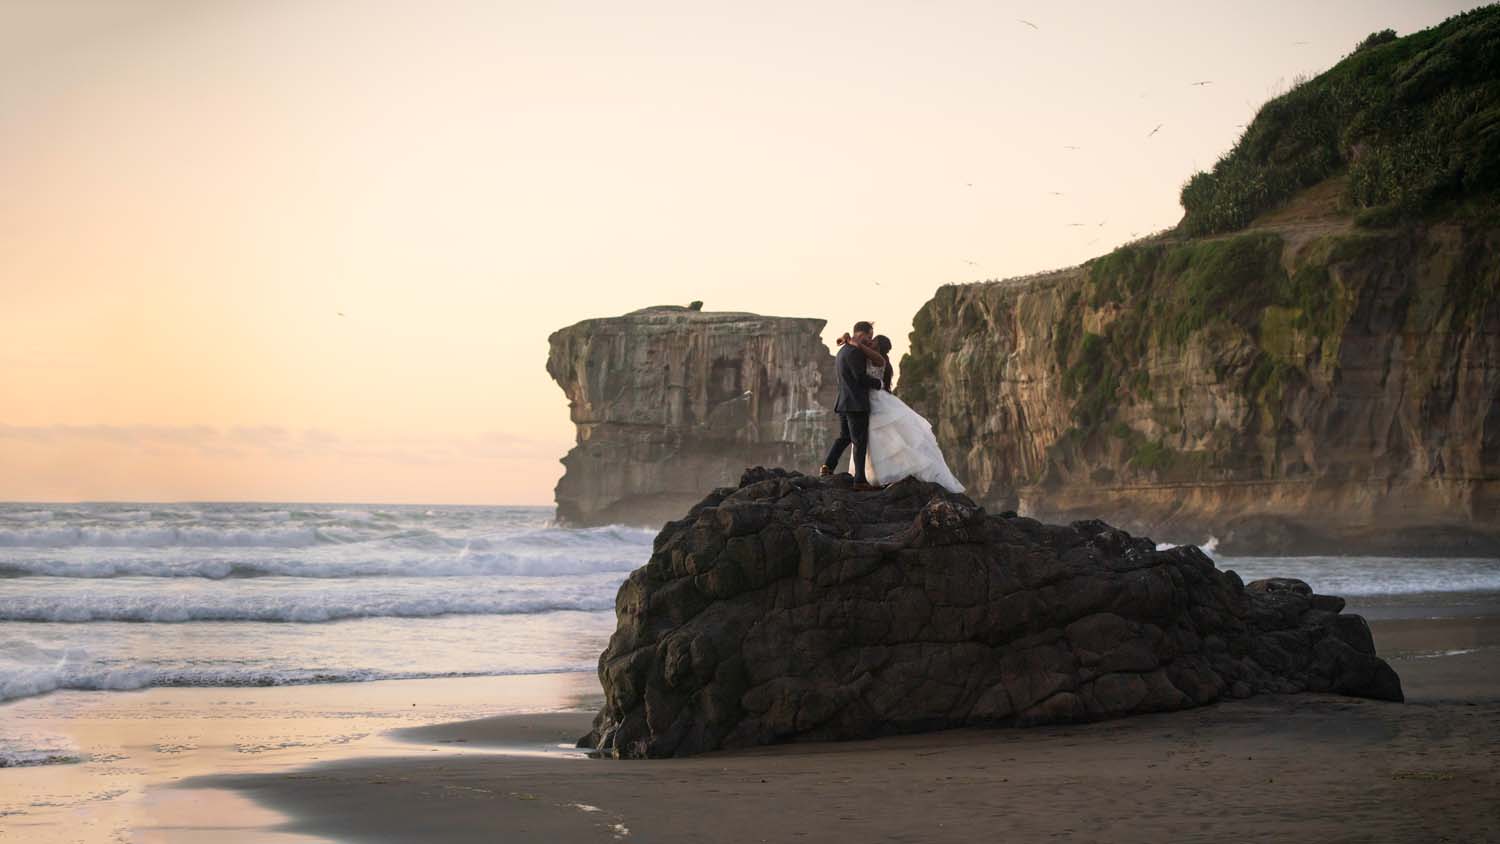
192, 192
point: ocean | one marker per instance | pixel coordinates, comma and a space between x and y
118, 597
112, 598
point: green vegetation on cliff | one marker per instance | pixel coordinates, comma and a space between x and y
1148, 301
1313, 347
1163, 293
1195, 283
1413, 122
1258, 317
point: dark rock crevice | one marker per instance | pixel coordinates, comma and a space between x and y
792, 608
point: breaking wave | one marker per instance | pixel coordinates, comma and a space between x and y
21, 683
285, 600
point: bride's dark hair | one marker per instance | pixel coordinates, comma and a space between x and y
883, 346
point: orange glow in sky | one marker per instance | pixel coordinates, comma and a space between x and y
312, 251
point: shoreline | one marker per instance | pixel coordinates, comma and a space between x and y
460, 758
134, 748
1267, 768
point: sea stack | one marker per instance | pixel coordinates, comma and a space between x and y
792, 608
671, 402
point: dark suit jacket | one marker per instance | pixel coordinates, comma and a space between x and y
854, 383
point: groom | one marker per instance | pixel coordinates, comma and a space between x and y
853, 405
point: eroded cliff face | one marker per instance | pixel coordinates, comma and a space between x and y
672, 402
1304, 386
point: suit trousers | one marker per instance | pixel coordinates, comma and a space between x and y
854, 427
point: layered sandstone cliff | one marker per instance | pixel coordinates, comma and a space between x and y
1304, 386
671, 402
1309, 362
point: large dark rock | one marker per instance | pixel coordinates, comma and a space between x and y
794, 608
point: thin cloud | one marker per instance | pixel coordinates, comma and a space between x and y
262, 441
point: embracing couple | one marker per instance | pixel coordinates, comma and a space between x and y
891, 441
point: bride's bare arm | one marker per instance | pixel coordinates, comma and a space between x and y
870, 354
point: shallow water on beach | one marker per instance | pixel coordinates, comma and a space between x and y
122, 754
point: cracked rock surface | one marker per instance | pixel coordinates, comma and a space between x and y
793, 608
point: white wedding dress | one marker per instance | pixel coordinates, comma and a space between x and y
902, 444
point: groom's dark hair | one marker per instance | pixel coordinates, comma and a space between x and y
863, 326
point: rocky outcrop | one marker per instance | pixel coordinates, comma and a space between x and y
792, 608
1306, 386
670, 402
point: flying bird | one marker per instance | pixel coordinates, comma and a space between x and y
1028, 23
1204, 82
1157, 129
1102, 222
1075, 225
1300, 43
1066, 146
341, 313
1056, 192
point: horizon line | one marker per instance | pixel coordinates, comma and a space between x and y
42, 502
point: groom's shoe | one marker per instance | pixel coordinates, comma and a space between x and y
861, 486
825, 471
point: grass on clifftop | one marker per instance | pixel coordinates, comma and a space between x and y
1414, 121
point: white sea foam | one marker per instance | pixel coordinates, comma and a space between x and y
291, 600
216, 567
158, 537
607, 536
1209, 546
178, 526
356, 515
328, 543
19, 684
1374, 576
27, 516
1441, 654
1366, 576
34, 748
25, 757
37, 658
262, 516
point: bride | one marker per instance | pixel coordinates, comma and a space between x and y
901, 442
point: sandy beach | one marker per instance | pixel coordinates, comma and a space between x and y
1309, 767
123, 755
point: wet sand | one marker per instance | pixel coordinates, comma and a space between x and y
1274, 768
133, 748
